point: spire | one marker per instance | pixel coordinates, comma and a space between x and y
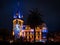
18, 3
17, 13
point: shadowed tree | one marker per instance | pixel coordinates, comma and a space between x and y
34, 19
4, 33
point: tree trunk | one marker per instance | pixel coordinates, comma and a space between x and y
34, 35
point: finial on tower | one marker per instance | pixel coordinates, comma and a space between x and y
18, 3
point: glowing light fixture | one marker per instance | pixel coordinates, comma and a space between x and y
14, 16
44, 29
19, 16
13, 33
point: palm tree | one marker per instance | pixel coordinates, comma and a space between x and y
34, 19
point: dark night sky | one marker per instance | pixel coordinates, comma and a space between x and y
50, 9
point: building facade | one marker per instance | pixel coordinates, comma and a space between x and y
25, 31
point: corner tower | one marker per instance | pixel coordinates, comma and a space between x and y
17, 24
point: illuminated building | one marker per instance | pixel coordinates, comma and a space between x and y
25, 30
41, 34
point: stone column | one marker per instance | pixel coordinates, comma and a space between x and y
40, 35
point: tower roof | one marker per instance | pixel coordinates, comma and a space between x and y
18, 15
